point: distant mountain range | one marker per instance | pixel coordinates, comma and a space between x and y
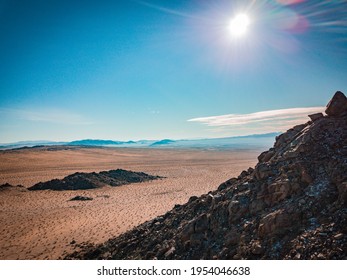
163, 142
237, 142
93, 142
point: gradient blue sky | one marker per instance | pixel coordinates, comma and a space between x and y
129, 70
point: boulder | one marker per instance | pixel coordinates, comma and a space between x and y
337, 105
266, 156
278, 191
257, 248
274, 223
316, 116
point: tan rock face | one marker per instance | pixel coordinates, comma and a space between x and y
292, 205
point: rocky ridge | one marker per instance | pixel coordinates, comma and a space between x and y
9, 187
292, 205
83, 181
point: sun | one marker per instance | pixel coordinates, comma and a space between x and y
239, 24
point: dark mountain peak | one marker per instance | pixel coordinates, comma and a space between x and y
291, 205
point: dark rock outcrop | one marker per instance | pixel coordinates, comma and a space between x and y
316, 116
292, 205
337, 105
10, 187
82, 181
81, 198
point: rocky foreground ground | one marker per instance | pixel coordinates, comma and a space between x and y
292, 205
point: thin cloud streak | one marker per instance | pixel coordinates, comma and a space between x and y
258, 117
167, 11
55, 116
257, 123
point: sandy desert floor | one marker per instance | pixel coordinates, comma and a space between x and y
46, 225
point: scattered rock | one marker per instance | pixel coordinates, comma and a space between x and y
338, 236
257, 249
169, 252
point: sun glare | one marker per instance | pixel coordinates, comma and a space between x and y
239, 25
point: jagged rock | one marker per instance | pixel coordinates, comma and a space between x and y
262, 171
275, 223
278, 191
292, 205
337, 105
256, 248
237, 208
169, 252
316, 116
266, 156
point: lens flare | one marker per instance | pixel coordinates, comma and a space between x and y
239, 25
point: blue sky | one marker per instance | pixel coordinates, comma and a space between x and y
129, 70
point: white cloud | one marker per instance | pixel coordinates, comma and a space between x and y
260, 122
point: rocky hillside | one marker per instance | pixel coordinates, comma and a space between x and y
292, 205
82, 181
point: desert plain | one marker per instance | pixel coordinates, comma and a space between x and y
47, 225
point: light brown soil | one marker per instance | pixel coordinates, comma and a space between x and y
42, 224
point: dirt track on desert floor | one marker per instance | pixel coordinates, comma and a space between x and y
46, 225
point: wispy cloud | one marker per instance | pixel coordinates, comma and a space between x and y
166, 10
57, 116
264, 121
